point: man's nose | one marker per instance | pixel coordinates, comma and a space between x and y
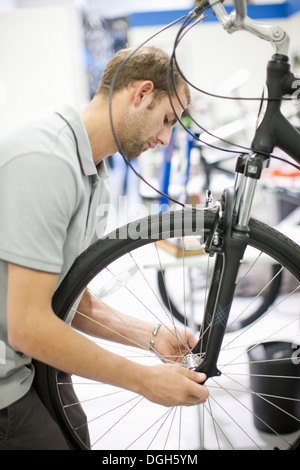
164, 136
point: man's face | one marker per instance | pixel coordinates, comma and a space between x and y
145, 127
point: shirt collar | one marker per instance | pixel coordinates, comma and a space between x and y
84, 147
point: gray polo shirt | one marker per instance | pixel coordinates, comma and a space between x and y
49, 193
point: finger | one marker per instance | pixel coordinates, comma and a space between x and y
198, 377
188, 338
192, 341
199, 394
203, 394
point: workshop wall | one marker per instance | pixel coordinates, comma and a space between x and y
42, 62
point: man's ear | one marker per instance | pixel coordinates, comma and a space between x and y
142, 90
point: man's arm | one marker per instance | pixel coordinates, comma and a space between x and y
35, 330
95, 318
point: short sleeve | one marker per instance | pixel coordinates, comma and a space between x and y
37, 201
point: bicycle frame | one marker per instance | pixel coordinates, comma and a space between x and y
229, 238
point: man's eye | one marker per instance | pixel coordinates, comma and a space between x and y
166, 120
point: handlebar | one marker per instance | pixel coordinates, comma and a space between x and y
238, 20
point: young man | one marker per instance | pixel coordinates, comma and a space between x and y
52, 179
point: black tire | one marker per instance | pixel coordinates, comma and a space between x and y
104, 251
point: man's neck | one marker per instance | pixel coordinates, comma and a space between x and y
97, 123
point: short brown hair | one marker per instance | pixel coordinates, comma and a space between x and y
147, 63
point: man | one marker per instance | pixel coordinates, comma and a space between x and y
52, 178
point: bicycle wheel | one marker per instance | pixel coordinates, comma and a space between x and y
122, 268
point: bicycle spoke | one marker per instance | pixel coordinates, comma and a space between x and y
255, 298
120, 419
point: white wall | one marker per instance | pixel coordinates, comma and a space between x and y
42, 62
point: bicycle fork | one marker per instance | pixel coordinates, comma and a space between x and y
227, 243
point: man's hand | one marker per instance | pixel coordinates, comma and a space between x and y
173, 385
172, 344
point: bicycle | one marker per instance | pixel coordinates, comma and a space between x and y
228, 236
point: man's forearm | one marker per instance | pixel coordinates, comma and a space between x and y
60, 346
95, 318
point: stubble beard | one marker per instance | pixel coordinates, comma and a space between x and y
130, 135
